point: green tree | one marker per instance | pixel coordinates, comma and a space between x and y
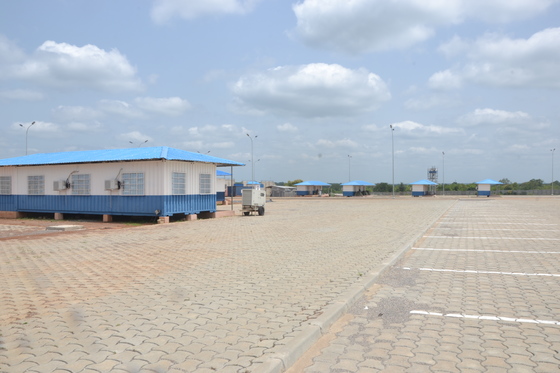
293, 182
382, 188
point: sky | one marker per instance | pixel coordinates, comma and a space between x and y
327, 90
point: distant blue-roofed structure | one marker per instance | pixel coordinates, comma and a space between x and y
151, 181
311, 187
421, 187
355, 188
484, 187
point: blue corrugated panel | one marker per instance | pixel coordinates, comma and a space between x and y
110, 205
116, 155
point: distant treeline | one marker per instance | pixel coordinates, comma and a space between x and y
383, 187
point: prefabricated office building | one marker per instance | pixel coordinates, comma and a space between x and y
151, 181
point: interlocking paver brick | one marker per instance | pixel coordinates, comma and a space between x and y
504, 235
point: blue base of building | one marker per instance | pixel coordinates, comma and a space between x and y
302, 193
111, 205
418, 194
484, 193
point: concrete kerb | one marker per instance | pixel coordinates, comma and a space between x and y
282, 360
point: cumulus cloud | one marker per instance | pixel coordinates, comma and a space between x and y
164, 10
501, 61
171, 106
135, 138
75, 113
411, 127
493, 116
120, 108
67, 66
445, 80
314, 90
286, 127
357, 26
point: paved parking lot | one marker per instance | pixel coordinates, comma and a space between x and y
202, 296
478, 293
252, 294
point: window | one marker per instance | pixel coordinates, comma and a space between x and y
133, 184
205, 184
36, 185
5, 185
81, 184
178, 183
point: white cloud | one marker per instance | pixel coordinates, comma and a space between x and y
66, 66
493, 116
135, 138
314, 90
346, 143
75, 113
286, 127
445, 80
501, 61
21, 95
172, 106
410, 126
121, 108
9, 52
357, 26
164, 10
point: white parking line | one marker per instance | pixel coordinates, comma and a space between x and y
489, 251
486, 317
498, 238
494, 223
501, 229
484, 272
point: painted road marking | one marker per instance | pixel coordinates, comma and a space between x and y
493, 223
484, 272
497, 238
501, 229
489, 251
486, 317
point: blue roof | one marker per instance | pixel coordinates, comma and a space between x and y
489, 181
116, 155
358, 183
222, 173
423, 182
313, 183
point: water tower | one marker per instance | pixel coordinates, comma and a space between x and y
432, 176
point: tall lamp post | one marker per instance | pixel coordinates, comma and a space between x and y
349, 158
26, 131
443, 172
252, 159
552, 184
393, 158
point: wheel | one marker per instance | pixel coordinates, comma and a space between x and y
261, 210
246, 213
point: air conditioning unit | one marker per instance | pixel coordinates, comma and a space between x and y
112, 184
60, 185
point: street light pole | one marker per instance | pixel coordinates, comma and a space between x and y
393, 158
552, 184
252, 158
443, 172
26, 131
349, 158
